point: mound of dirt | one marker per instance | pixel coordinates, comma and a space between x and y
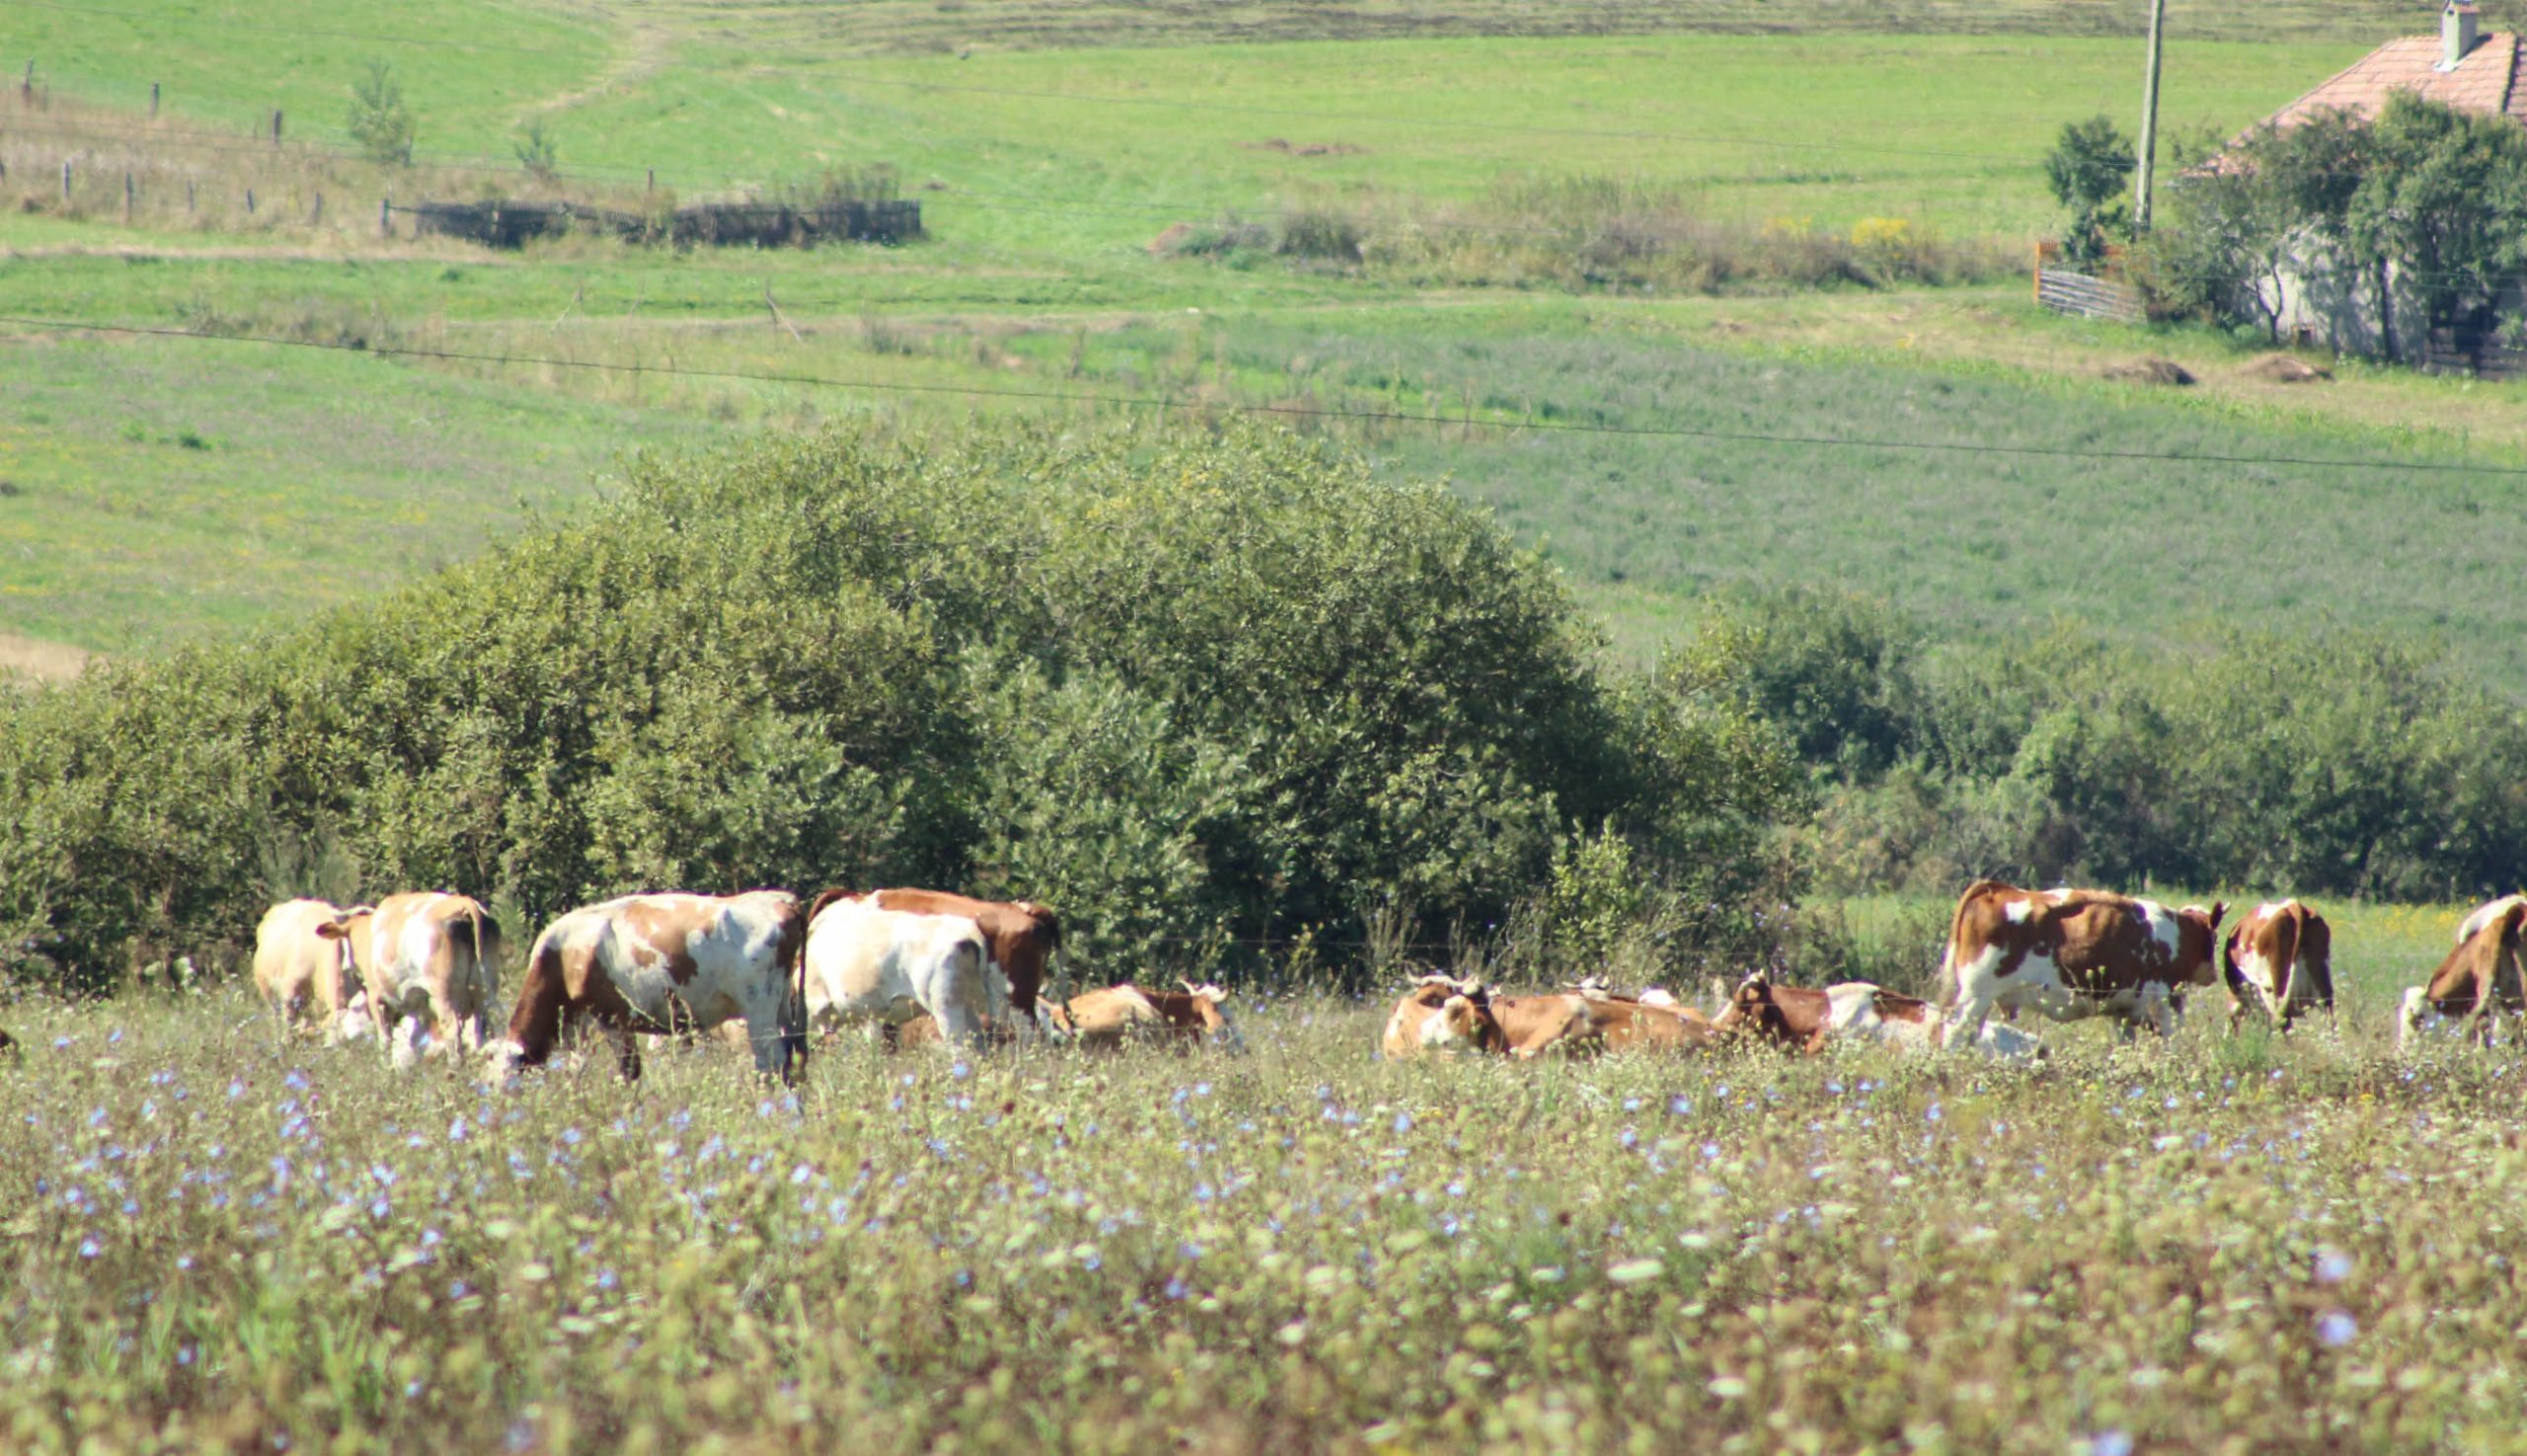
2285, 370
2151, 371
1171, 240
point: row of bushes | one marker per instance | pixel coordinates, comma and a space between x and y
1209, 694
2343, 762
1589, 231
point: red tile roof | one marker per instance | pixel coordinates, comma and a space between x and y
2491, 77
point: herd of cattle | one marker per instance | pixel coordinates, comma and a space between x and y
2067, 953
420, 972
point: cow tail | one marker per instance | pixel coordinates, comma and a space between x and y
487, 984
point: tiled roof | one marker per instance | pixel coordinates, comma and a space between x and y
2491, 77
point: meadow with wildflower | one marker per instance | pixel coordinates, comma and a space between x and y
217, 1242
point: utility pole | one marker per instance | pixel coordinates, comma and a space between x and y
2149, 119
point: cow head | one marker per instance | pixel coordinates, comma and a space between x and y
1210, 1003
1445, 1014
2198, 952
1750, 1010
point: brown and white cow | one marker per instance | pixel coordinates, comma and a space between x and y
2480, 980
868, 963
2072, 953
431, 967
307, 978
2279, 959
659, 964
1854, 1012
1642, 1023
1020, 935
1104, 1020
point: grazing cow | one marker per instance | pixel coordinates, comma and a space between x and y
2480, 979
299, 969
1021, 936
658, 964
1807, 1020
2279, 957
429, 962
1443, 1015
1103, 1021
2072, 953
865, 963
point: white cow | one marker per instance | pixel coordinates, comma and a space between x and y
1859, 1011
307, 978
870, 965
430, 963
664, 962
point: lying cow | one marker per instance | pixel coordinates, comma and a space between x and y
2279, 959
1445, 1015
1652, 1021
429, 966
659, 964
2480, 979
1854, 1012
1020, 936
2072, 953
1104, 1020
1441, 1016
868, 963
306, 977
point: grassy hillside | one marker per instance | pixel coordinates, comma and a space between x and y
1055, 164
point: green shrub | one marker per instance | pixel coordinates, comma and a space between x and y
1197, 691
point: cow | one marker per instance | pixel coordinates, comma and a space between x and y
2480, 979
2279, 959
429, 964
1104, 1020
1652, 1021
298, 969
1020, 934
865, 963
659, 964
1802, 1018
2072, 953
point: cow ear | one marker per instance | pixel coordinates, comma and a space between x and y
333, 930
2218, 909
1190, 989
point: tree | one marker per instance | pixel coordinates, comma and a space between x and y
2443, 204
380, 121
539, 153
2245, 221
2086, 170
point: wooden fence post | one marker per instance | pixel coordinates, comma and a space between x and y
318, 215
653, 181
27, 87
127, 199
275, 126
188, 196
65, 181
250, 202
386, 216
153, 100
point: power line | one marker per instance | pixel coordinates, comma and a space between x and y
1313, 411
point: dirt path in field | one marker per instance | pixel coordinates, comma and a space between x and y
645, 53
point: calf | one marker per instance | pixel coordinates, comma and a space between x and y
298, 969
2480, 979
429, 964
657, 963
2072, 953
2279, 959
1103, 1021
1021, 936
1804, 1020
868, 963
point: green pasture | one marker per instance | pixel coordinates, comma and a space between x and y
158, 494
213, 1241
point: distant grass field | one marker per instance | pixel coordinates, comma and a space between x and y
1058, 162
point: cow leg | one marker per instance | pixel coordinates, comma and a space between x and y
627, 1048
1966, 1022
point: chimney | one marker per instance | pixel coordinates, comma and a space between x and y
2457, 34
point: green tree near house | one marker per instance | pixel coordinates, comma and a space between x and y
2443, 203
2086, 170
